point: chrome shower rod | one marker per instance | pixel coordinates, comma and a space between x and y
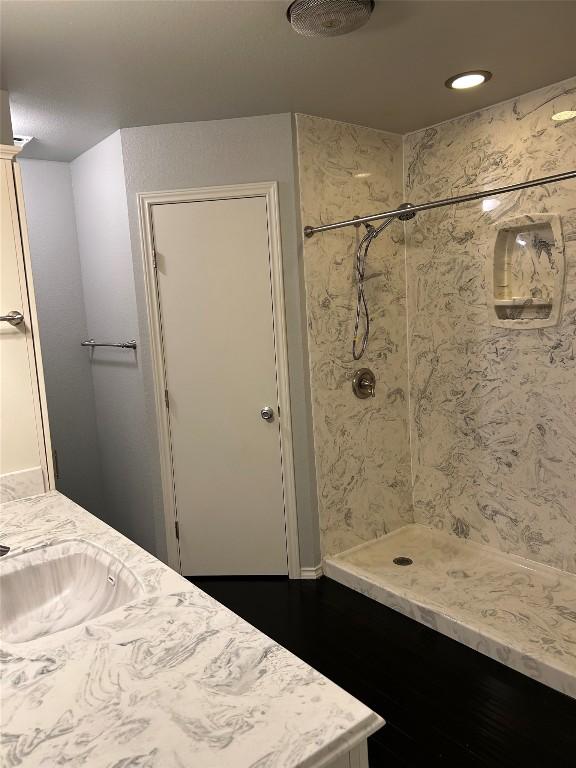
409, 210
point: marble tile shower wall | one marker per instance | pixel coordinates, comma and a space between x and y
493, 410
361, 446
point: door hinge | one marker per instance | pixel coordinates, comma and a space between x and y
167, 399
177, 529
55, 463
154, 260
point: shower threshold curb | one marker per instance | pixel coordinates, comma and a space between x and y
518, 612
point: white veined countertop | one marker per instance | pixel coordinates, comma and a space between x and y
172, 680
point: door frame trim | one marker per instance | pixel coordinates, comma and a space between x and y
269, 191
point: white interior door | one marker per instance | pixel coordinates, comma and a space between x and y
20, 447
213, 277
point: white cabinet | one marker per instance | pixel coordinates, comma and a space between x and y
356, 758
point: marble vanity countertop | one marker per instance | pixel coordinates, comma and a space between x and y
172, 680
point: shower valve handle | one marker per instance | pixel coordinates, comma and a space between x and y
364, 383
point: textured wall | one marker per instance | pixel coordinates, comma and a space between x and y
110, 302
62, 319
220, 152
493, 411
361, 446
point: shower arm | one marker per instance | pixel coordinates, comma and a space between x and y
408, 211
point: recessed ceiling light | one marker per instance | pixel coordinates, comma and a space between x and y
468, 79
567, 114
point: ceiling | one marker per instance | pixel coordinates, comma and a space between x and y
77, 71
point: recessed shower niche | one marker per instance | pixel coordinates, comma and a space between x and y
526, 277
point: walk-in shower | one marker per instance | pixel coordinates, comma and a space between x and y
448, 496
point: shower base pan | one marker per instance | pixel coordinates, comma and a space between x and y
514, 610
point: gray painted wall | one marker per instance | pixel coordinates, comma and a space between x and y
108, 286
107, 292
188, 155
5, 119
62, 319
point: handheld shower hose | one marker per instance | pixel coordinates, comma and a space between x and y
361, 303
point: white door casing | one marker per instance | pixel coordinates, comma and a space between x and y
260, 200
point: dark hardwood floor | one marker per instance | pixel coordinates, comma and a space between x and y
443, 703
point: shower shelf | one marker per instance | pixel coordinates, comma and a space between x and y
525, 277
518, 301
530, 311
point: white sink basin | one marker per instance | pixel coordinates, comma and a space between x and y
58, 586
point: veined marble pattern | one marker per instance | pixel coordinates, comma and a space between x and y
361, 446
20, 485
518, 612
493, 410
171, 680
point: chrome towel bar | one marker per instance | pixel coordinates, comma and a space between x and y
121, 344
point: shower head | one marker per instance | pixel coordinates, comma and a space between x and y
409, 214
328, 18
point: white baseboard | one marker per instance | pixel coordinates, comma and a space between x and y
312, 573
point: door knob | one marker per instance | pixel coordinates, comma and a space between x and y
14, 317
267, 413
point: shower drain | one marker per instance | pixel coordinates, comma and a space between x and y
402, 561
